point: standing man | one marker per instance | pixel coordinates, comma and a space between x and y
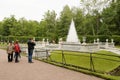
31, 44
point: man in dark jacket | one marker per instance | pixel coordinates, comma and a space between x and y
31, 44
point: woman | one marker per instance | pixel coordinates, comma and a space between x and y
10, 49
17, 51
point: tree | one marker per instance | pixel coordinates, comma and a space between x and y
117, 16
27, 28
64, 21
111, 19
41, 29
94, 8
50, 24
79, 19
22, 23
8, 25
1, 28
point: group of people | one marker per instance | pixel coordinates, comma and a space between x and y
15, 48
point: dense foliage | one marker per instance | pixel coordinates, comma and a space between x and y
91, 22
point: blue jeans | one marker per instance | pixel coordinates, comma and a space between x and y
16, 56
30, 53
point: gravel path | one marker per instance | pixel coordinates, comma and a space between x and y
36, 71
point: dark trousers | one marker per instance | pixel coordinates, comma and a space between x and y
10, 57
30, 53
16, 56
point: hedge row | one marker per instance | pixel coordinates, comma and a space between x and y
89, 38
102, 38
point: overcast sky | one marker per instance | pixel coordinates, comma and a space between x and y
33, 9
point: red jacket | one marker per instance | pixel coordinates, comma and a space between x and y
16, 48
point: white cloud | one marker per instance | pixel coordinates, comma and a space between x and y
32, 9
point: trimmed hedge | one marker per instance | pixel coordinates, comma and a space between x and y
102, 38
89, 38
116, 39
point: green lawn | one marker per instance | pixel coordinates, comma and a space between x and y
3, 45
103, 61
117, 47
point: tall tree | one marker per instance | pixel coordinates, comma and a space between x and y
50, 19
23, 26
117, 16
27, 28
1, 28
41, 30
94, 7
78, 17
111, 19
8, 25
64, 21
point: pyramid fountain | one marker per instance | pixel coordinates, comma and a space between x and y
73, 43
72, 36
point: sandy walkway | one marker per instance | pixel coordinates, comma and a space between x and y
36, 71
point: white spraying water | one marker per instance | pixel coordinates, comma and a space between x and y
72, 34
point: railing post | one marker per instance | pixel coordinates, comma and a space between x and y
91, 63
47, 55
63, 58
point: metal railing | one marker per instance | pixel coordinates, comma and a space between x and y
64, 62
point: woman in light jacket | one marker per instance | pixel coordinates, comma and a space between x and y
10, 49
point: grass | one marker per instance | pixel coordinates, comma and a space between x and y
103, 61
117, 47
3, 45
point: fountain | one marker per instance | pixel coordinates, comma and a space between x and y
72, 34
73, 43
